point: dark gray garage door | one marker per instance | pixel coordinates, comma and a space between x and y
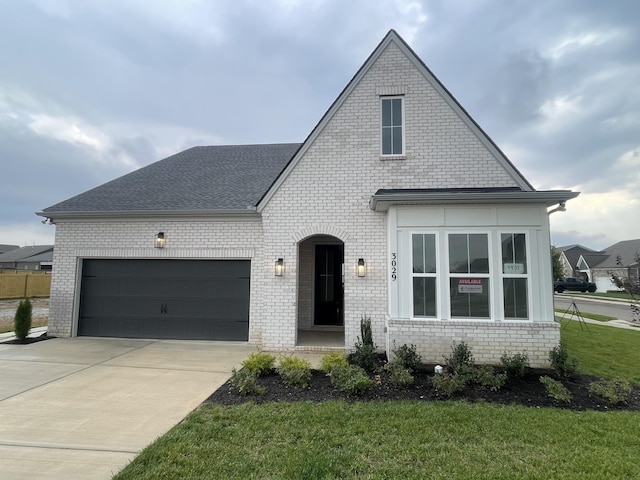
177, 299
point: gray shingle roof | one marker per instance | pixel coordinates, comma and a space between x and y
24, 253
627, 250
232, 177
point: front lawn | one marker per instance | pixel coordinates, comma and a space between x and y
392, 440
410, 439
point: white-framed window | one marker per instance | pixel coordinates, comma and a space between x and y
392, 126
424, 275
515, 276
469, 275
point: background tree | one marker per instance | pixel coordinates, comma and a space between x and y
556, 264
631, 285
22, 320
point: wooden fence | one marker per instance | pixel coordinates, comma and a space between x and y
21, 284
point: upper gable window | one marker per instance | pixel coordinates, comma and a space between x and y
392, 126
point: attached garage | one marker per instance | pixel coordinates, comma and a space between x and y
167, 299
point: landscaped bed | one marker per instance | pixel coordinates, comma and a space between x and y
527, 391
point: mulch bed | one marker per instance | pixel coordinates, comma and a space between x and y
28, 340
526, 391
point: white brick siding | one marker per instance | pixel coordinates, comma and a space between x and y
487, 340
185, 240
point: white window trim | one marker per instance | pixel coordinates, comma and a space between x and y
436, 275
527, 276
491, 275
394, 156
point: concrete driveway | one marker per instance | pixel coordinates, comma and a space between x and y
82, 408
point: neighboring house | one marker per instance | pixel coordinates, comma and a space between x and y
35, 257
397, 207
570, 257
6, 248
620, 259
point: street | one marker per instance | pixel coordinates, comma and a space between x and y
618, 310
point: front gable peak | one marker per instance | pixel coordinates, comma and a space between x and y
393, 51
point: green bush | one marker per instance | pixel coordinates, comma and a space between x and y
351, 379
514, 365
22, 319
561, 362
365, 355
407, 356
461, 358
332, 360
447, 383
295, 371
556, 389
486, 376
613, 391
260, 363
244, 381
399, 374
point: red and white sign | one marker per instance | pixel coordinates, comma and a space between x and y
469, 285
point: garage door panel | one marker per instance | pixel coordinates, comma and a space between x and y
180, 299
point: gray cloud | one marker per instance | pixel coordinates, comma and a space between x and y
91, 90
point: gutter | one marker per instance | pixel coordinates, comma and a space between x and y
380, 202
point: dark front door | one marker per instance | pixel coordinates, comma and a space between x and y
329, 293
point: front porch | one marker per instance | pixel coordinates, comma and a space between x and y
320, 341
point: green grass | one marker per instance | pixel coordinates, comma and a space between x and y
593, 316
413, 440
392, 440
614, 295
603, 351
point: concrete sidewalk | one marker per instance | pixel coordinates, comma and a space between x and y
82, 408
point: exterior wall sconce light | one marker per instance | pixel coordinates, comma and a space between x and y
362, 268
159, 241
279, 267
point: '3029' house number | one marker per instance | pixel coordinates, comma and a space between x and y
394, 266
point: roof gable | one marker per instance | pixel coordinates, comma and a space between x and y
392, 38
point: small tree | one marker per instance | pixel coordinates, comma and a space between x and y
631, 285
556, 264
22, 320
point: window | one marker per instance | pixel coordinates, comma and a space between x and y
424, 275
469, 283
514, 275
392, 132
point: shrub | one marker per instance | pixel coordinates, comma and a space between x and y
488, 378
295, 371
613, 391
22, 319
514, 365
399, 374
407, 356
556, 389
561, 362
244, 381
447, 383
365, 350
332, 360
461, 358
260, 363
351, 379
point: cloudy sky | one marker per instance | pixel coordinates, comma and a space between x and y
91, 90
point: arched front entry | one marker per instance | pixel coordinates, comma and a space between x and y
321, 291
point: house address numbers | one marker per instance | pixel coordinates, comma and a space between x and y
394, 266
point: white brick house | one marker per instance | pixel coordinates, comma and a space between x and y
452, 241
